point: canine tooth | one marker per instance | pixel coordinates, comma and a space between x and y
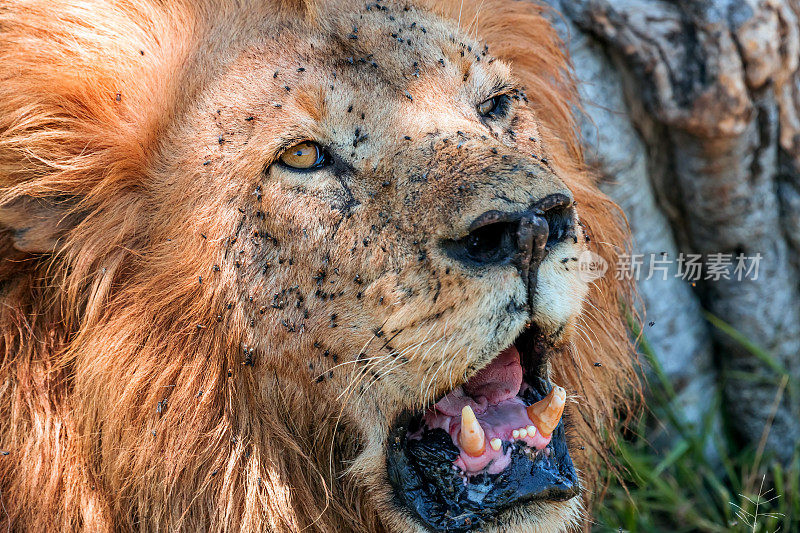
515, 433
496, 444
523, 433
471, 437
531, 431
546, 413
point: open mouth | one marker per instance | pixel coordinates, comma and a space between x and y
494, 443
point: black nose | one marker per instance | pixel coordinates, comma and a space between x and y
519, 238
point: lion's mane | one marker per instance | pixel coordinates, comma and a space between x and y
85, 91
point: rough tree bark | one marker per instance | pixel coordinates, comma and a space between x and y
693, 112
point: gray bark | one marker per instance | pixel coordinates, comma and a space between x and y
693, 112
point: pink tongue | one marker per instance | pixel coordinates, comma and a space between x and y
499, 381
492, 394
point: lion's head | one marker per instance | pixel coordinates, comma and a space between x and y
285, 266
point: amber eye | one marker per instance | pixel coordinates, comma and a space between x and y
487, 107
496, 106
304, 156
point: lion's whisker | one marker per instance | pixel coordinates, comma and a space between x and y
360, 376
353, 361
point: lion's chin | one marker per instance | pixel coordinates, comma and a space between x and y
489, 449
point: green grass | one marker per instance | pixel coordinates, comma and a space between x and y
677, 489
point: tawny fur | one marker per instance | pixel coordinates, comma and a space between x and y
124, 400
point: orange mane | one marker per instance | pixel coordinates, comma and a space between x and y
86, 91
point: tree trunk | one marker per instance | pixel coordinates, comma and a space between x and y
693, 113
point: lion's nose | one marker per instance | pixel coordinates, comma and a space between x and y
518, 238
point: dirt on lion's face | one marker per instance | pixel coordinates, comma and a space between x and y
378, 247
368, 218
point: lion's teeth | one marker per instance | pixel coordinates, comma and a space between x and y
496, 444
546, 413
521, 433
471, 438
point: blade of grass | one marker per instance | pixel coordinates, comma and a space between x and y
678, 489
676, 453
750, 346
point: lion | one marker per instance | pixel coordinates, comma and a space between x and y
293, 265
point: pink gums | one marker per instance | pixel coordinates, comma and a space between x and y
492, 394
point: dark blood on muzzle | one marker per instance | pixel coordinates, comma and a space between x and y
425, 464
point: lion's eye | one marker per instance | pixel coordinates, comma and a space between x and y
487, 107
496, 106
306, 155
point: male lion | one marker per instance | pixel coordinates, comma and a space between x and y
289, 266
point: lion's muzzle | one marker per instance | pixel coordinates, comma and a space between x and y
521, 238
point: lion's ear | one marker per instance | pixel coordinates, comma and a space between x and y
37, 225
